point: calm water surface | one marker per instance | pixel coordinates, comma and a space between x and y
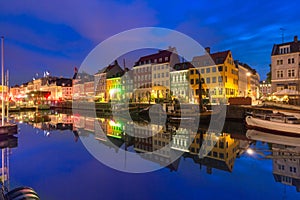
51, 158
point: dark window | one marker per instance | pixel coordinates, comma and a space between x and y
221, 155
192, 81
215, 154
221, 145
220, 68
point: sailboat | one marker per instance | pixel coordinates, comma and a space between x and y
6, 127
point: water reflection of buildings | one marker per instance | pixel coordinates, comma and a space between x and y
6, 143
286, 165
46, 121
162, 144
219, 150
285, 154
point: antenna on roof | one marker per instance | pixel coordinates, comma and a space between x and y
282, 34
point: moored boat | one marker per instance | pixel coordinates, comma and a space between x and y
273, 138
276, 124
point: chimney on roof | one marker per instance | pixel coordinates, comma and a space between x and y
207, 49
295, 38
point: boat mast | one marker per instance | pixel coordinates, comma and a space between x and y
2, 75
7, 95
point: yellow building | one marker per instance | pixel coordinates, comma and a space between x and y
218, 147
219, 75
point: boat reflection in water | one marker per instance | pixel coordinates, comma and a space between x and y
158, 143
285, 154
6, 144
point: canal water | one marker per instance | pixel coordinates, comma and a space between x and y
66, 156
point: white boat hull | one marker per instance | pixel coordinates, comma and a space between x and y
273, 138
257, 123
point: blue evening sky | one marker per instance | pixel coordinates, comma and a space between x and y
57, 35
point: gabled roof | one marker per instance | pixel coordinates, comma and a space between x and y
245, 66
220, 57
215, 58
112, 70
294, 46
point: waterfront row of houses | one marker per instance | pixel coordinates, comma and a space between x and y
165, 75
161, 76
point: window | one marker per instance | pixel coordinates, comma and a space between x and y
221, 145
214, 69
192, 71
291, 73
207, 70
289, 61
278, 62
215, 154
207, 80
220, 68
214, 79
293, 61
166, 58
160, 59
225, 68
192, 81
221, 155
220, 79
279, 74
202, 71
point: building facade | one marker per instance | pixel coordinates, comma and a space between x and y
151, 75
180, 82
265, 88
100, 80
219, 75
285, 59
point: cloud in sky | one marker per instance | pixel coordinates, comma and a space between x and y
62, 33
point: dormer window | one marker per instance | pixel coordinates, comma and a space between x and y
284, 49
